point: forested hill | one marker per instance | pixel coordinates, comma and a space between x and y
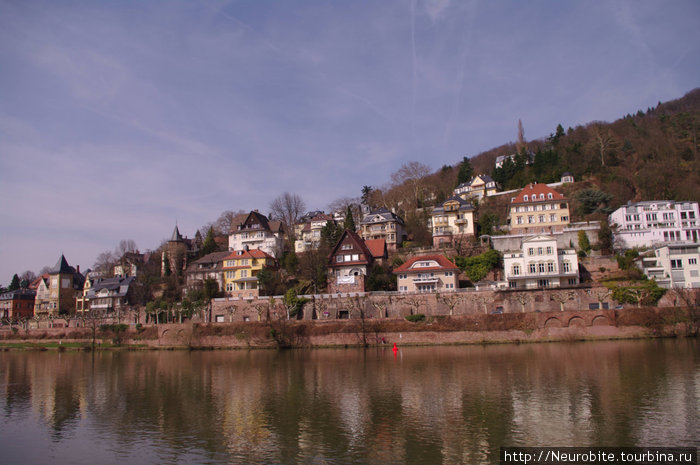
652, 154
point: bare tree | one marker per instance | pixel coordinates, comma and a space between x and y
604, 141
288, 208
415, 303
223, 224
381, 307
104, 263
451, 300
125, 246
523, 298
483, 300
520, 145
412, 174
562, 297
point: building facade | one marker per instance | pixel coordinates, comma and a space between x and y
108, 295
308, 233
541, 263
643, 224
538, 209
478, 187
241, 269
18, 304
452, 222
351, 260
210, 266
257, 232
427, 273
57, 292
383, 224
673, 265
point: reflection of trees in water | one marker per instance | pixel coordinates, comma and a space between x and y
441, 404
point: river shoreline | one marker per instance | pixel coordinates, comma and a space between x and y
515, 328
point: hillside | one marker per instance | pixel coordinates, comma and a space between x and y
652, 154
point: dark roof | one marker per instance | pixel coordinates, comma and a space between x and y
385, 215
464, 205
357, 240
176, 237
213, 257
117, 286
62, 267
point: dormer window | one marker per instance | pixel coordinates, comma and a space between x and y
541, 196
549, 196
525, 198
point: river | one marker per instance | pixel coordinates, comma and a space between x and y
422, 405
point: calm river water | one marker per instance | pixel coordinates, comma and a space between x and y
426, 405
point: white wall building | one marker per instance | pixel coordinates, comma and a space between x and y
541, 263
673, 265
644, 224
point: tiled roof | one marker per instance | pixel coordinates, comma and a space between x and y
377, 247
537, 189
444, 264
252, 253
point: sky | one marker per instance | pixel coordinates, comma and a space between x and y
120, 119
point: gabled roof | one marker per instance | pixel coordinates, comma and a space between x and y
377, 247
361, 246
214, 257
443, 264
484, 177
464, 205
252, 253
539, 238
117, 286
537, 189
381, 215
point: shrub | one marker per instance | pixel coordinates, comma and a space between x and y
415, 318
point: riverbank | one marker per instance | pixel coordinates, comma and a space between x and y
566, 326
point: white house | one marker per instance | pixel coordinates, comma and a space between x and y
257, 232
541, 263
673, 265
644, 224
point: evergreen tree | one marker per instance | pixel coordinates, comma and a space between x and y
584, 244
209, 244
14, 285
466, 172
349, 222
330, 234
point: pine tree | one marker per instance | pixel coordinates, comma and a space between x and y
349, 222
209, 244
465, 171
14, 285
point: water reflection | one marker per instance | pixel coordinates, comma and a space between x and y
428, 405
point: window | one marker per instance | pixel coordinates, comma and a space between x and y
525, 198
549, 196
519, 220
530, 219
512, 284
541, 196
448, 273
692, 261
549, 251
531, 251
244, 273
339, 258
540, 267
516, 270
539, 250
567, 267
552, 218
550, 267
346, 247
542, 218
676, 264
532, 268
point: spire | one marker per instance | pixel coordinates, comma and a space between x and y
176, 235
61, 266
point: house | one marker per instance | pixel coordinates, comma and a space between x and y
56, 294
644, 224
478, 187
108, 295
129, 264
427, 273
210, 266
538, 209
383, 224
177, 251
541, 263
17, 304
673, 265
241, 269
452, 222
255, 231
351, 260
308, 232
567, 178
501, 159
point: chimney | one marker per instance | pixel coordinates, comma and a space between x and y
77, 269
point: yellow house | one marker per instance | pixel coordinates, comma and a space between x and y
241, 270
452, 222
538, 209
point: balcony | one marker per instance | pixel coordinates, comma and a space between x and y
461, 221
425, 280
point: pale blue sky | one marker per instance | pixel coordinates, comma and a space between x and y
118, 118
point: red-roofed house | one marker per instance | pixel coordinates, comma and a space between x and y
241, 270
350, 261
538, 209
427, 273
